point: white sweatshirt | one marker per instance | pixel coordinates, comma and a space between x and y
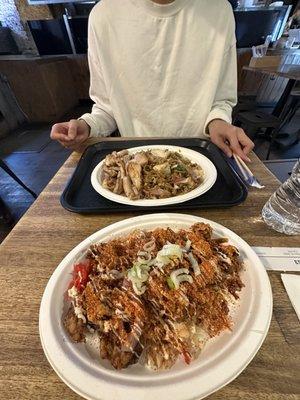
161, 70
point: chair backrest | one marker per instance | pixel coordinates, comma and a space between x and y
11, 114
7, 42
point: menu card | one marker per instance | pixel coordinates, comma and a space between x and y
279, 258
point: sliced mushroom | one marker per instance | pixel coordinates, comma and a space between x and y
122, 153
141, 158
160, 153
128, 187
122, 168
183, 181
136, 192
110, 171
103, 175
110, 160
135, 174
159, 193
118, 189
108, 184
197, 174
117, 168
126, 159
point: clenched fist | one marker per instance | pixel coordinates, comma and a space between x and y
70, 134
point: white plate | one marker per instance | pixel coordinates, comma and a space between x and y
221, 361
210, 177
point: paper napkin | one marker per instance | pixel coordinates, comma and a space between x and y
292, 286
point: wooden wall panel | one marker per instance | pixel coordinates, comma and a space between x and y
81, 75
44, 88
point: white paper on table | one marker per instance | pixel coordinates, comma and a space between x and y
279, 258
292, 286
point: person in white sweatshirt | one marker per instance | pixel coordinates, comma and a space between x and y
161, 68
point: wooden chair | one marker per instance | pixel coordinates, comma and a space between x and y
245, 103
285, 139
5, 214
253, 121
11, 117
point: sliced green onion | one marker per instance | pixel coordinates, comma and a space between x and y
179, 271
161, 261
175, 274
180, 168
144, 260
131, 273
149, 246
170, 283
138, 275
139, 290
188, 245
184, 278
171, 250
144, 276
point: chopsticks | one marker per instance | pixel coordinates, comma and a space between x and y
245, 173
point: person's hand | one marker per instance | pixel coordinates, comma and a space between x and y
230, 139
70, 134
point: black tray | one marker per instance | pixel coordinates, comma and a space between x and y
79, 195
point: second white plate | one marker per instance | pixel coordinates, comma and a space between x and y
210, 177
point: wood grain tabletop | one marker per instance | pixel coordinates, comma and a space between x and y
47, 232
286, 71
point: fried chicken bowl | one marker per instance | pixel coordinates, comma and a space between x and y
154, 297
160, 305
153, 175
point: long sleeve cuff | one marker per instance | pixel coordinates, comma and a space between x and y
106, 129
217, 113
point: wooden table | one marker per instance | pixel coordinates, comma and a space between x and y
290, 72
47, 233
286, 71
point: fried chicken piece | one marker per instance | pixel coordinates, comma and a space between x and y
202, 229
109, 350
161, 356
200, 246
95, 309
74, 326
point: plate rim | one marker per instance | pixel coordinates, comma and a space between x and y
198, 191
172, 217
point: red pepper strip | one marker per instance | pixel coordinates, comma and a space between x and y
81, 273
187, 357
